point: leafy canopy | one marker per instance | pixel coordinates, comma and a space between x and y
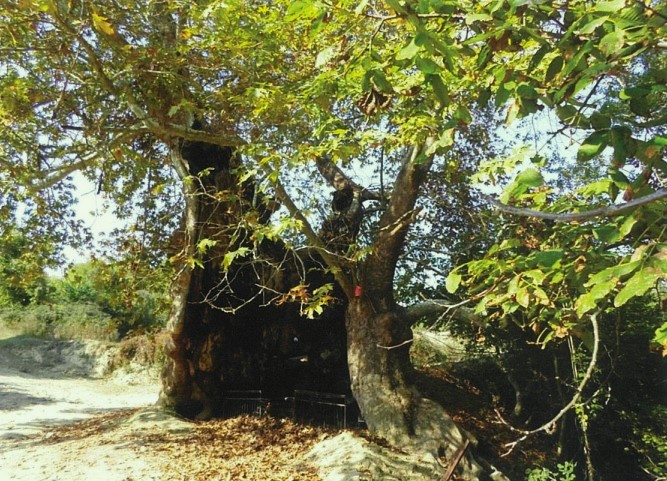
105, 89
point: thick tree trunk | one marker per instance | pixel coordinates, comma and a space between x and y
379, 338
381, 380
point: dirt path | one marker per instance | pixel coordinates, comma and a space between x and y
46, 385
29, 404
63, 418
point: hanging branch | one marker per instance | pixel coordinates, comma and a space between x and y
549, 425
609, 211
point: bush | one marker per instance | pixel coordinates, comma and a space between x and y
135, 305
61, 321
563, 472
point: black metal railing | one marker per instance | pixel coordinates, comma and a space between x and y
236, 403
321, 408
309, 407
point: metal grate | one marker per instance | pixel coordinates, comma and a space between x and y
236, 403
323, 409
309, 407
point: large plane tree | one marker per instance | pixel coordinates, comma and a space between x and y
284, 101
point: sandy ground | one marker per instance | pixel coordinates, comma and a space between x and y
65, 417
45, 385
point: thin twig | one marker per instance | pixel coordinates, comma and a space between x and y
389, 348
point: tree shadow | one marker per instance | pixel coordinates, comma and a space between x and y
13, 399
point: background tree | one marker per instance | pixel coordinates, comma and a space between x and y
22, 262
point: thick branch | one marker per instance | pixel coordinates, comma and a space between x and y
181, 282
609, 211
339, 180
380, 266
436, 307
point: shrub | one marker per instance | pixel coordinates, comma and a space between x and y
563, 472
62, 321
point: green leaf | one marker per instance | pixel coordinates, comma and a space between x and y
612, 42
452, 282
523, 297
616, 272
502, 96
325, 56
537, 58
634, 92
527, 91
101, 24
623, 143
593, 145
612, 6
660, 338
205, 244
637, 285
600, 121
591, 26
513, 190
568, 114
478, 17
439, 88
232, 255
641, 106
409, 51
298, 9
619, 178
554, 69
541, 296
530, 178
381, 82
588, 301
549, 259
536, 275
361, 7
427, 66
483, 57
611, 234
581, 84
443, 143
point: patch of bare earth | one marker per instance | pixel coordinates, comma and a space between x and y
64, 417
137, 445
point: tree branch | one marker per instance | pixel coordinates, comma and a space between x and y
380, 265
55, 175
609, 211
339, 180
436, 307
165, 132
549, 425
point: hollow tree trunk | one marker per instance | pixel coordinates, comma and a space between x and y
235, 328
